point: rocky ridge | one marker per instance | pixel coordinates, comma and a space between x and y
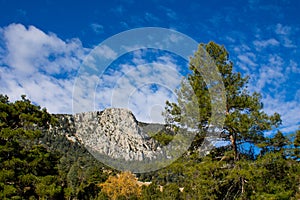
114, 132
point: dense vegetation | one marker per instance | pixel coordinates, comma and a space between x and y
38, 163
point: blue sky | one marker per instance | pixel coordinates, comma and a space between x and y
43, 43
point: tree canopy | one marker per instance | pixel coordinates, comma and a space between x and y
28, 170
245, 120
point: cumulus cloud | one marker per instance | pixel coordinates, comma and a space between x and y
40, 65
120, 80
142, 87
44, 67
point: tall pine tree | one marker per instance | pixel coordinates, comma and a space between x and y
245, 120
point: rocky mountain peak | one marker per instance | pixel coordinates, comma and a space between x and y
116, 133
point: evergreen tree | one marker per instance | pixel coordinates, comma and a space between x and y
277, 143
296, 153
27, 169
245, 120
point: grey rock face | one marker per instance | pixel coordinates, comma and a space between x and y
116, 133
117, 139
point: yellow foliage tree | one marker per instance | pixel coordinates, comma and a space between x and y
122, 185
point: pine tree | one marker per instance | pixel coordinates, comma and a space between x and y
27, 169
245, 120
296, 153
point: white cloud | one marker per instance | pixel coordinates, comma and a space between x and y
273, 69
271, 73
83, 92
230, 39
297, 95
105, 51
31, 50
282, 30
175, 38
289, 111
246, 61
97, 28
149, 17
271, 82
97, 60
284, 33
171, 14
269, 77
141, 87
293, 67
40, 65
265, 43
288, 43
44, 67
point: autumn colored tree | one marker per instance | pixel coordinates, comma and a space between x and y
123, 185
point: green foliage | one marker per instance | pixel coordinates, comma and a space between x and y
28, 170
296, 143
23, 114
269, 177
278, 143
245, 120
162, 137
151, 192
48, 187
171, 191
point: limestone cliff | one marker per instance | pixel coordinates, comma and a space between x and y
114, 132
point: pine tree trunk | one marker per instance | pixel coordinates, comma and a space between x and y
243, 183
234, 147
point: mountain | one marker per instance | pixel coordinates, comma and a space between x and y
113, 132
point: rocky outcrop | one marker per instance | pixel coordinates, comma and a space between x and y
115, 138
115, 132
